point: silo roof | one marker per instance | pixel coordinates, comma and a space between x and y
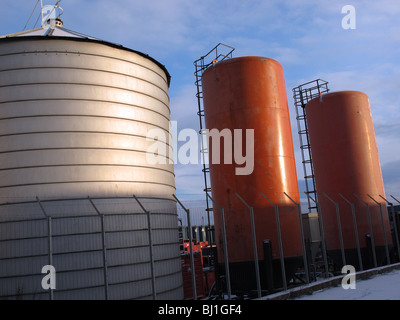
58, 32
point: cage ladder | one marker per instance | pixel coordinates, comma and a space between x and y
301, 95
219, 53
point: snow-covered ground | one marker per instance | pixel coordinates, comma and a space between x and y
384, 286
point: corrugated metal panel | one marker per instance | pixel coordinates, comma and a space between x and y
23, 247
80, 150
96, 293
170, 287
28, 287
137, 255
60, 33
23, 229
78, 261
77, 255
139, 290
23, 211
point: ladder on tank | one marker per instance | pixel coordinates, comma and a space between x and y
219, 53
301, 95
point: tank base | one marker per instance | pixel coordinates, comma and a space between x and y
366, 257
243, 274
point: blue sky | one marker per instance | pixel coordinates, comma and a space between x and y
305, 36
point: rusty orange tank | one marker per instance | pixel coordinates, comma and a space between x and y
248, 93
346, 161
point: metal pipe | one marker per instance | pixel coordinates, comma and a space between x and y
278, 225
355, 232
103, 240
384, 229
192, 256
253, 231
105, 264
227, 275
339, 227
49, 241
50, 244
396, 215
41, 11
153, 280
321, 230
191, 248
41, 207
394, 225
370, 229
395, 218
302, 237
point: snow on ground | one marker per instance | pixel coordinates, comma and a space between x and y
384, 286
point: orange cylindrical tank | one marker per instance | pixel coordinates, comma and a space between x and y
248, 95
346, 161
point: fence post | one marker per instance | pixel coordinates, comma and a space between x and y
103, 241
253, 231
278, 225
227, 275
302, 237
394, 217
321, 230
153, 280
49, 241
370, 230
191, 248
340, 228
355, 231
383, 228
395, 199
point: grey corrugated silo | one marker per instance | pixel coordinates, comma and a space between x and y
74, 114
